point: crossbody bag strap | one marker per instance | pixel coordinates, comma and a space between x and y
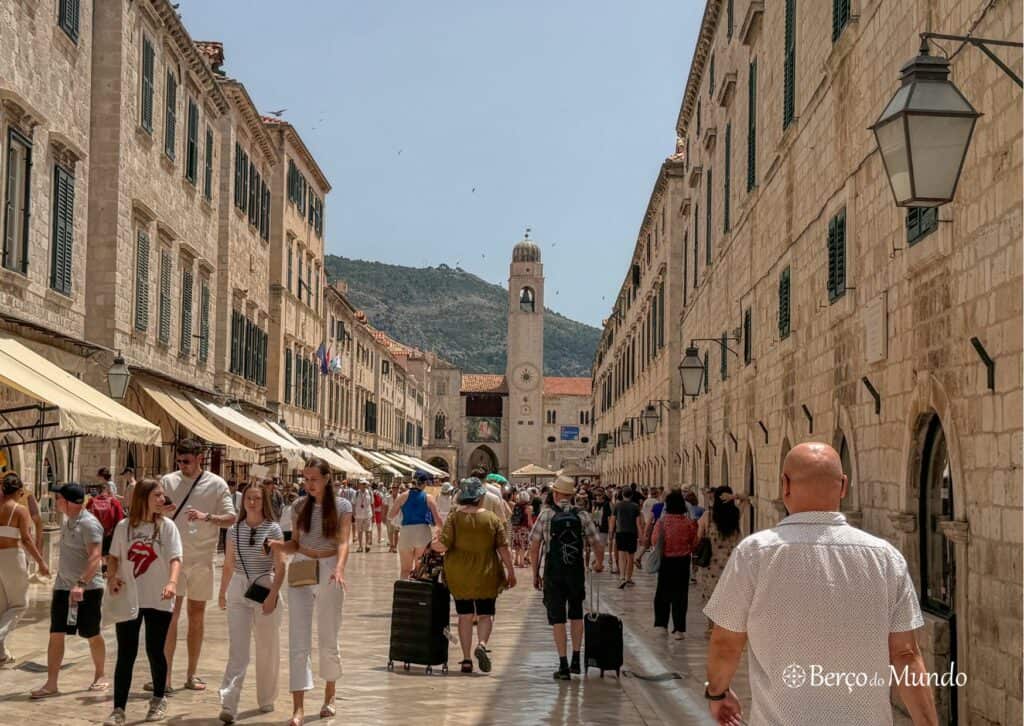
238, 549
184, 501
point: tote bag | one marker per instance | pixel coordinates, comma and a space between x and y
123, 606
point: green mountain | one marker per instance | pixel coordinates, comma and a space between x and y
456, 315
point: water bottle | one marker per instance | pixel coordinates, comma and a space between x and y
72, 612
193, 525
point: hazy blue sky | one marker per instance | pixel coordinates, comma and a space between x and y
557, 112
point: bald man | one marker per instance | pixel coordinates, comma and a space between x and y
829, 612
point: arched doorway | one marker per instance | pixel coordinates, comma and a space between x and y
440, 463
483, 458
937, 552
750, 489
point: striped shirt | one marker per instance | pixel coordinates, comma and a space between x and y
250, 559
314, 539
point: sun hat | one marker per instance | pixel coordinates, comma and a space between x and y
446, 488
471, 490
564, 485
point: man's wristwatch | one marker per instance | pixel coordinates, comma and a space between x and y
207, 517
710, 697
81, 584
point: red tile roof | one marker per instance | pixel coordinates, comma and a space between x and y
483, 383
556, 386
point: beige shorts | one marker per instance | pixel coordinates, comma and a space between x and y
414, 536
362, 525
196, 581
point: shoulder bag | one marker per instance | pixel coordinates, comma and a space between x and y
123, 606
304, 572
255, 591
656, 553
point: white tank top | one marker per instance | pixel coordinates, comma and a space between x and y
9, 531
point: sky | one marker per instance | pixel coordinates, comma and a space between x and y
448, 127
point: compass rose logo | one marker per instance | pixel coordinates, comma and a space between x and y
794, 675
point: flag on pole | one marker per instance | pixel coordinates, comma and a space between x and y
321, 355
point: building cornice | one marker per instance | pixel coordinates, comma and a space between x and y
289, 135
197, 64
236, 91
705, 39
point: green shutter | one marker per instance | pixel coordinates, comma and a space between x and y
68, 14
921, 221
698, 121
164, 333
208, 165
729, 19
185, 345
711, 76
192, 142
840, 17
288, 375
204, 322
728, 177
748, 343
752, 126
707, 374
840, 278
708, 254
696, 243
170, 113
63, 230
784, 304
789, 66
142, 281
148, 65
724, 365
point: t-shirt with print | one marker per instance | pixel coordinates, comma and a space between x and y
76, 534
212, 496
626, 514
144, 553
362, 505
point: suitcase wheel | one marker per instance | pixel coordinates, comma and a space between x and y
391, 665
406, 666
444, 669
429, 670
602, 673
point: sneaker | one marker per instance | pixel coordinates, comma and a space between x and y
662, 628
679, 635
116, 718
562, 674
482, 658
227, 717
269, 708
157, 709
622, 585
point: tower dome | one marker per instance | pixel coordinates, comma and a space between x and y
526, 251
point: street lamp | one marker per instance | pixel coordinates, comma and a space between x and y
118, 378
651, 419
626, 432
691, 371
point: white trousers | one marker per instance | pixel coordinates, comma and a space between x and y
327, 599
13, 591
246, 620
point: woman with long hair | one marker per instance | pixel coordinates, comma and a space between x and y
15, 533
248, 561
720, 523
522, 522
677, 534
321, 532
146, 548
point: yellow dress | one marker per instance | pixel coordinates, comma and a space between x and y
472, 567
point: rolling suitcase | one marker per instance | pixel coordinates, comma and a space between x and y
602, 641
419, 615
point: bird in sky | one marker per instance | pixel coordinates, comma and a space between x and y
399, 152
278, 113
473, 190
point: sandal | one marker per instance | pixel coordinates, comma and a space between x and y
195, 683
100, 685
483, 658
41, 693
148, 687
328, 710
466, 666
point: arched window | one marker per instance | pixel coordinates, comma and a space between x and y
938, 567
440, 423
526, 300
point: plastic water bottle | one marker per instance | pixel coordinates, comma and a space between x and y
452, 637
193, 525
72, 613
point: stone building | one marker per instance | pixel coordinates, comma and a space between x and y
502, 422
298, 194
842, 318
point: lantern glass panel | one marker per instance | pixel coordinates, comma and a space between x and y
892, 142
937, 147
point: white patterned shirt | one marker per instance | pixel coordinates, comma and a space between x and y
816, 596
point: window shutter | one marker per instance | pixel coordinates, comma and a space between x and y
164, 334
840, 279
752, 126
185, 345
63, 230
748, 343
724, 366
204, 322
784, 305
142, 281
711, 76
68, 17
192, 142
171, 113
831, 284
238, 175
288, 375
208, 166
789, 67
840, 17
148, 64
729, 19
707, 374
728, 176
707, 222
233, 365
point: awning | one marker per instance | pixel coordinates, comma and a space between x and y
249, 428
396, 462
533, 470
337, 462
184, 412
81, 408
420, 464
355, 468
376, 461
283, 433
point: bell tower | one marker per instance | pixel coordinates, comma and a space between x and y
524, 369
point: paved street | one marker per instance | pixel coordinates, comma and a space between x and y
519, 690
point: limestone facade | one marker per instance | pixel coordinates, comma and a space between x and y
879, 357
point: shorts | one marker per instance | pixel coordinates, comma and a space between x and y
414, 536
626, 542
602, 537
362, 525
89, 613
196, 580
105, 546
475, 607
378, 517
561, 596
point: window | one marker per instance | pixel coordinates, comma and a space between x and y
309, 281
148, 66
170, 113
289, 276
698, 120
185, 345
241, 178
686, 273
552, 417
440, 425
837, 257
16, 211
707, 374
711, 76
789, 66
840, 17
696, 242
63, 230
661, 315
287, 375
300, 281
938, 565
204, 321
68, 18
142, 281
164, 333
921, 222
748, 342
192, 142
724, 365
729, 19
208, 166
707, 221
752, 126
526, 300
784, 313
728, 176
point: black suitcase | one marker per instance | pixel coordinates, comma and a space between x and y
419, 615
602, 642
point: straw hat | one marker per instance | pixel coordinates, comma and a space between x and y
564, 485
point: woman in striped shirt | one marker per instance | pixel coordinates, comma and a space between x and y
248, 560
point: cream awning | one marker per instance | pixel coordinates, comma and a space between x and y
421, 464
249, 428
283, 433
182, 410
396, 462
81, 408
355, 468
533, 470
376, 461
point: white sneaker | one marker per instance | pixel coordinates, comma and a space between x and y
662, 628
226, 716
267, 709
679, 635
116, 718
157, 709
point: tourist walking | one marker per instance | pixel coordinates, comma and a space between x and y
107, 509
624, 525
378, 510
816, 592
107, 483
677, 535
477, 567
362, 515
75, 607
15, 533
127, 488
250, 587
145, 555
444, 501
316, 586
201, 505
558, 536
522, 521
394, 521
419, 515
721, 525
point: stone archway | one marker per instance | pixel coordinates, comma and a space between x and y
440, 463
483, 457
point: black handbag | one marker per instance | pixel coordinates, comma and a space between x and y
255, 591
702, 553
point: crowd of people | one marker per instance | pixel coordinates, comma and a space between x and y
141, 553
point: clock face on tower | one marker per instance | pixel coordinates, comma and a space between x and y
526, 376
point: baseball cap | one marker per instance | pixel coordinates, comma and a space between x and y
72, 492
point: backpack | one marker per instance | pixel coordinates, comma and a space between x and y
519, 516
565, 549
104, 510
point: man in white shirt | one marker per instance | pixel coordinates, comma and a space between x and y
362, 509
200, 505
816, 597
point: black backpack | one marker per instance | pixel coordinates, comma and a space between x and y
565, 550
519, 515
